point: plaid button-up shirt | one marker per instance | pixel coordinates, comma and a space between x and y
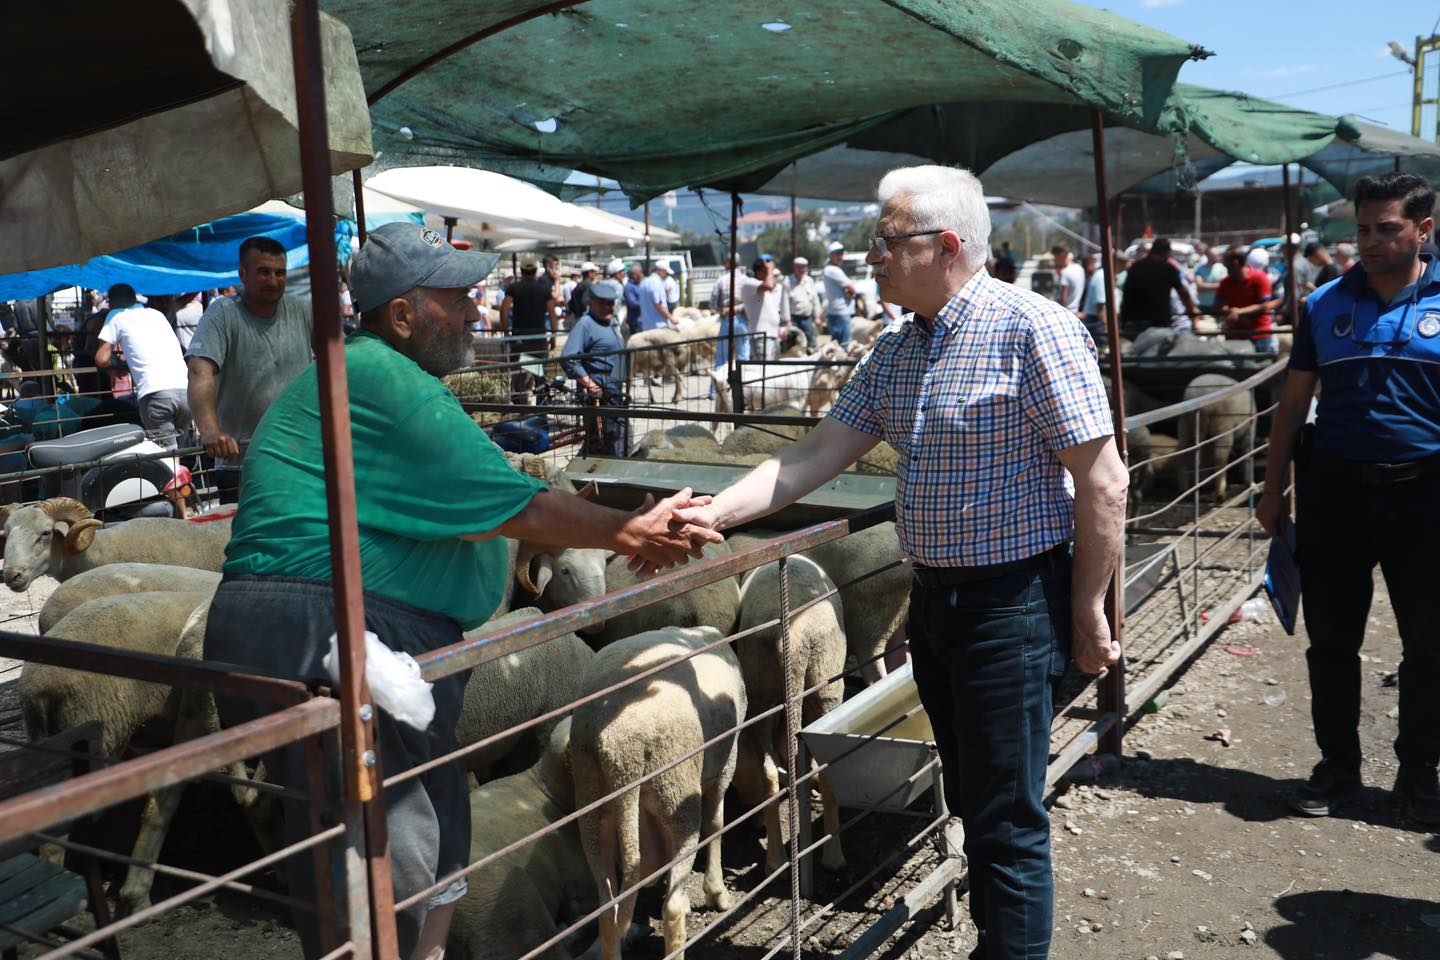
978, 411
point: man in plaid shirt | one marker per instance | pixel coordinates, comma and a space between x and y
992, 396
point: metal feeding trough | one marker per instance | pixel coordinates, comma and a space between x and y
867, 764
1148, 568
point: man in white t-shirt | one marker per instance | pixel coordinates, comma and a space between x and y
767, 307
157, 365
1069, 279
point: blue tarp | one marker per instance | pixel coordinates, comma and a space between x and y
202, 258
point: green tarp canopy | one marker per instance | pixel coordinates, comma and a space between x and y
1202, 131
657, 96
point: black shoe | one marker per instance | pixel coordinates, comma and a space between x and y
1325, 786
1418, 791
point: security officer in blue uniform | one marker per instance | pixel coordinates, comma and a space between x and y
592, 357
1368, 488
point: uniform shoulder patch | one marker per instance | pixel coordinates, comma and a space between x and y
1429, 325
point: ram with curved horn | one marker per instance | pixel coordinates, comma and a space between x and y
60, 538
559, 578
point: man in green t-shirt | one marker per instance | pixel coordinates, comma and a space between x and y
434, 497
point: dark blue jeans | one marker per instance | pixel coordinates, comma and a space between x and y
987, 657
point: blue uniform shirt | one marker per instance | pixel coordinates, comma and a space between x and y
1379, 368
597, 343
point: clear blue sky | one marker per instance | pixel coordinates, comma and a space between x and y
1276, 49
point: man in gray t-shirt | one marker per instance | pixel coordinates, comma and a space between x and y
246, 350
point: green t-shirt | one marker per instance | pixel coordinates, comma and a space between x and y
425, 475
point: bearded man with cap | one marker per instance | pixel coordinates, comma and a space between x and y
592, 358
434, 498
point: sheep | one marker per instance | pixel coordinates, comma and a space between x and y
512, 689
1228, 426
59, 537
866, 332
571, 574
54, 699
625, 736
817, 658
123, 578
518, 901
713, 605
825, 385
659, 353
768, 439
685, 436
874, 608
705, 337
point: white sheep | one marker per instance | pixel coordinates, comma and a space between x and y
515, 688
519, 901
635, 731
60, 538
875, 607
685, 436
122, 578
554, 577
659, 354
54, 699
866, 332
817, 658
713, 605
1227, 425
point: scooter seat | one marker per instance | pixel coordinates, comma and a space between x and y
85, 446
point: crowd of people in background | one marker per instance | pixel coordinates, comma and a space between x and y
1242, 287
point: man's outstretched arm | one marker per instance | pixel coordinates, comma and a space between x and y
784, 478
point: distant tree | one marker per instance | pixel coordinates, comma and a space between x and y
857, 238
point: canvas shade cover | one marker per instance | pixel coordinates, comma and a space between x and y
206, 257
658, 99
1204, 131
193, 119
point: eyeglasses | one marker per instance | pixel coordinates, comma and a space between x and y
879, 246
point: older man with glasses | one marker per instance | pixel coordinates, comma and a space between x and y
992, 396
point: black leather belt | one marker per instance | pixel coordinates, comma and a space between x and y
1373, 474
937, 578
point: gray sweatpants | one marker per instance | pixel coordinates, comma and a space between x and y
283, 625
165, 415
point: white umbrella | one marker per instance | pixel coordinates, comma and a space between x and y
195, 120
494, 209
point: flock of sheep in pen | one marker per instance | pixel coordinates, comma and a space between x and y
144, 585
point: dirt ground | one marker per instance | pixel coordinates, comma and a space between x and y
1189, 851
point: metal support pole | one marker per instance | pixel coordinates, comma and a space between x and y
1197, 213
737, 388
792, 731
794, 233
1292, 291
450, 223
1112, 685
359, 205
647, 237
47, 383
359, 762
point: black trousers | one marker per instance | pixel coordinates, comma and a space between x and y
1344, 530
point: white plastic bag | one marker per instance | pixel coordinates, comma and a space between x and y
394, 678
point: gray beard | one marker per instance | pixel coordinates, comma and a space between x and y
438, 356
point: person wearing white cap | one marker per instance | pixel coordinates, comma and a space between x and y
435, 561
592, 359
839, 291
654, 303
672, 288
804, 296
579, 297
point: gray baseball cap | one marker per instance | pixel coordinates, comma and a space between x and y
605, 290
399, 256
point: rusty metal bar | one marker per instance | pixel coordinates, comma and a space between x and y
489, 646
737, 389
792, 730
90, 792
320, 853
1292, 289
1112, 685
416, 69
357, 733
228, 679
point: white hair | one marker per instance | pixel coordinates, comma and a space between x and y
943, 198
